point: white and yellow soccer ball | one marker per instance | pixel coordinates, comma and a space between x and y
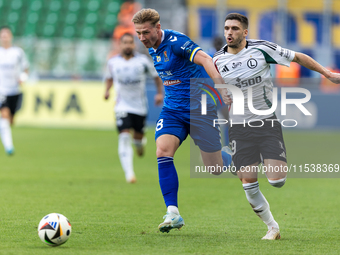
54, 229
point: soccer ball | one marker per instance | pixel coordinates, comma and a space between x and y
54, 229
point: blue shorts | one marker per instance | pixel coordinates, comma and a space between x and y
200, 127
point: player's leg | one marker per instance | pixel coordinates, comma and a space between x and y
276, 172
217, 160
125, 151
207, 137
139, 143
246, 158
5, 130
170, 133
138, 136
15, 103
168, 180
257, 200
273, 151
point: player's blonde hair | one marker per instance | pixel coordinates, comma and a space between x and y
146, 15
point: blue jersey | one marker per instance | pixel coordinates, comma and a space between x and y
173, 60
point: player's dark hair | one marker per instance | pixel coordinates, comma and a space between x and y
6, 27
241, 18
126, 34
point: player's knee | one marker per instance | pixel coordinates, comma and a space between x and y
163, 152
278, 183
5, 113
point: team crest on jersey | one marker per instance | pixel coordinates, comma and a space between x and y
166, 59
252, 63
159, 59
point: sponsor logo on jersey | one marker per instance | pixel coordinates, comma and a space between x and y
166, 59
285, 53
129, 82
171, 82
159, 59
236, 64
7, 66
248, 82
225, 69
185, 45
252, 63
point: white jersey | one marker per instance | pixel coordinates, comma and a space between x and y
129, 78
13, 62
251, 68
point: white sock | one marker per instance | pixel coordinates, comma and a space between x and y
173, 209
259, 204
6, 134
126, 154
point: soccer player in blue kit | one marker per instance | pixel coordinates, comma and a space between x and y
177, 60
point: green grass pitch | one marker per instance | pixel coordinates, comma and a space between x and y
77, 173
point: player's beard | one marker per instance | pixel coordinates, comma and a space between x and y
128, 52
237, 43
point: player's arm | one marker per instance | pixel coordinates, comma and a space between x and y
203, 59
108, 79
159, 86
23, 77
108, 85
310, 63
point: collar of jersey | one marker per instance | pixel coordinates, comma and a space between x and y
163, 35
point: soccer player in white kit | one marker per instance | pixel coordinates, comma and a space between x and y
128, 72
246, 63
13, 71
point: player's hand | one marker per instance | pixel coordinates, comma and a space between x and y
107, 95
334, 77
158, 99
225, 97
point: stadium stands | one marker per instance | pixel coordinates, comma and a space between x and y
60, 18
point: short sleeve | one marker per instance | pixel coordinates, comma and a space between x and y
275, 54
24, 61
182, 46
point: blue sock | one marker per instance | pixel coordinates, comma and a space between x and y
168, 180
226, 159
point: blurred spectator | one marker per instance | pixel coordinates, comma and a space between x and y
218, 43
125, 25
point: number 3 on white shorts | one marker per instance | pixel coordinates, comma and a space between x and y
159, 125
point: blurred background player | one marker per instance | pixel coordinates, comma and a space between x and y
177, 60
256, 143
13, 71
127, 72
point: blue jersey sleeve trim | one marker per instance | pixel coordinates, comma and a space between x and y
194, 53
